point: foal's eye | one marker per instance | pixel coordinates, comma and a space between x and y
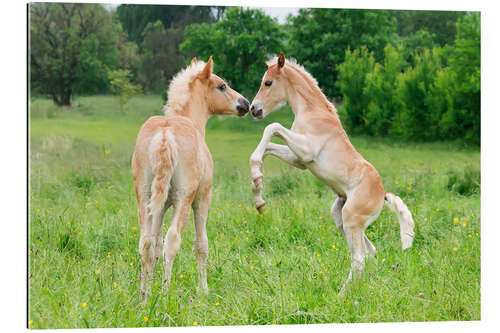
268, 83
222, 87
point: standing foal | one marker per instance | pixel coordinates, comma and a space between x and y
172, 166
318, 142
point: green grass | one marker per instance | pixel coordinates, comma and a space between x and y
283, 267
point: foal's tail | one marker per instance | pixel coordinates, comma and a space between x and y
162, 158
405, 220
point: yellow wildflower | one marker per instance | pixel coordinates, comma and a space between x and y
97, 271
216, 303
115, 284
454, 249
195, 323
251, 268
84, 304
333, 246
455, 220
31, 322
146, 319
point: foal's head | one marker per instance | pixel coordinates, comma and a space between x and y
272, 91
220, 97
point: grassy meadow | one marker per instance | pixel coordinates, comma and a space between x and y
283, 267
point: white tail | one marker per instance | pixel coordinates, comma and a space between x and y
405, 219
163, 159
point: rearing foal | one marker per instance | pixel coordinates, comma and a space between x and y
172, 166
317, 141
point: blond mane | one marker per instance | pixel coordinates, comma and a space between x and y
178, 93
308, 77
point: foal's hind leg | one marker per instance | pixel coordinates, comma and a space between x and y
336, 212
146, 247
172, 241
354, 234
200, 248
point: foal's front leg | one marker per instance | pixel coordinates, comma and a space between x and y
299, 150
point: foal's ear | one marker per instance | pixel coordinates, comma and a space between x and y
281, 61
207, 70
193, 61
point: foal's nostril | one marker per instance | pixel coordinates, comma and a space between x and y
257, 113
252, 108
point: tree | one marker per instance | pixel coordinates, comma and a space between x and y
441, 24
161, 58
380, 92
463, 81
415, 44
72, 47
135, 18
240, 43
418, 118
352, 84
319, 39
121, 86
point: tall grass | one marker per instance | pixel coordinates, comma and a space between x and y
285, 266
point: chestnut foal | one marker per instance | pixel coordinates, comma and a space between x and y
172, 166
317, 141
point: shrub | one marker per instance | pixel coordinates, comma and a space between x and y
380, 92
352, 72
419, 117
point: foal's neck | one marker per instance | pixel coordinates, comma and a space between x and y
196, 109
304, 96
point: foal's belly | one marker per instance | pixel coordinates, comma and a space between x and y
331, 177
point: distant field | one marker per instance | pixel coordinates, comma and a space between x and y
283, 267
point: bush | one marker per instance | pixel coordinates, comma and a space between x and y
380, 92
419, 116
352, 72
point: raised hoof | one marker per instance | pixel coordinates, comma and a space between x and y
260, 208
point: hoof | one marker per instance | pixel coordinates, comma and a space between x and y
260, 208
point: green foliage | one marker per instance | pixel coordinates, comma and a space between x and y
161, 58
352, 82
462, 82
135, 18
466, 182
380, 92
416, 44
72, 47
416, 92
320, 36
121, 86
440, 24
418, 117
240, 43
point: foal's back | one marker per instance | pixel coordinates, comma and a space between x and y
177, 137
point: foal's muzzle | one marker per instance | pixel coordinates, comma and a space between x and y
256, 112
242, 107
